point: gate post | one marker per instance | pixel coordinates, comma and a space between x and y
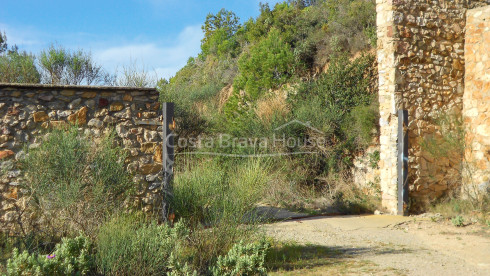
402, 164
168, 158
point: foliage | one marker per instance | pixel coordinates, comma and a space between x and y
16, 66
75, 182
3, 42
243, 259
134, 76
212, 192
70, 257
458, 221
128, 245
269, 64
61, 66
219, 34
339, 103
223, 20
218, 193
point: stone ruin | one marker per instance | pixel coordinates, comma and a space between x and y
433, 59
27, 110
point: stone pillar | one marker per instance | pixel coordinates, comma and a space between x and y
388, 122
421, 67
476, 101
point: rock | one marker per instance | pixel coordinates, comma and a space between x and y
4, 138
125, 114
46, 97
151, 177
88, 95
101, 112
148, 147
64, 114
103, 102
6, 153
40, 116
13, 174
116, 107
109, 119
21, 155
151, 136
157, 156
90, 104
122, 131
96, 123
150, 168
127, 98
67, 93
74, 104
80, 117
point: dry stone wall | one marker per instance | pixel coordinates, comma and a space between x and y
27, 111
476, 100
421, 63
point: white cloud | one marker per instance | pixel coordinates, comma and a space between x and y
26, 38
165, 59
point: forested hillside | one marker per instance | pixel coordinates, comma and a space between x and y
309, 61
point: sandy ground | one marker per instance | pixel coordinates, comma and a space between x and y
409, 245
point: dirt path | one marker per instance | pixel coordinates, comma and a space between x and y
397, 245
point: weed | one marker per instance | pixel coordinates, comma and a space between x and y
74, 182
458, 221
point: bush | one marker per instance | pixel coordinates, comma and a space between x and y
75, 183
243, 259
268, 65
458, 221
217, 197
70, 257
212, 191
339, 103
128, 245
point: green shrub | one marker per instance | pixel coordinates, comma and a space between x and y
219, 194
339, 104
243, 259
458, 221
268, 65
128, 245
18, 67
76, 183
211, 191
70, 257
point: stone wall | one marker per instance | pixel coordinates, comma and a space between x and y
476, 100
365, 171
27, 111
421, 69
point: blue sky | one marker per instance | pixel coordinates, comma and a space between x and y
159, 34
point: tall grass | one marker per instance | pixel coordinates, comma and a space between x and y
217, 199
130, 245
74, 182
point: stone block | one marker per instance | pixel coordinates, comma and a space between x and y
40, 116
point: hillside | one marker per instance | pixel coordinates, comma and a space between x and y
308, 61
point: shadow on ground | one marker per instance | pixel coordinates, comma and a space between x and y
292, 256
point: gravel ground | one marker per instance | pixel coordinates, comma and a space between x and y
409, 245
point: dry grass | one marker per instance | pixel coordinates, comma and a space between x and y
271, 106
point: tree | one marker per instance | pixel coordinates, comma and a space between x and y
61, 66
269, 64
16, 66
218, 31
134, 76
3, 42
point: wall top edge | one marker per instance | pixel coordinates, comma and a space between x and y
74, 87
